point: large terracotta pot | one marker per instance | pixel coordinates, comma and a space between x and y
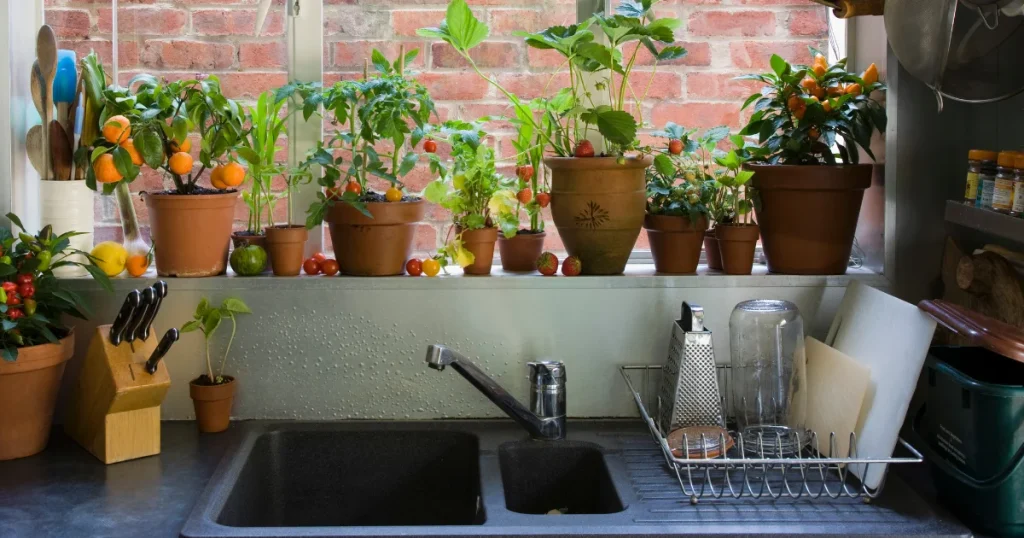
675, 242
519, 254
28, 394
711, 251
377, 246
285, 247
808, 215
213, 404
191, 232
598, 206
481, 244
737, 244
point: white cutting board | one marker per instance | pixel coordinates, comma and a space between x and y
891, 337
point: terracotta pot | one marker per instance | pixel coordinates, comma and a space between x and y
213, 404
808, 215
28, 394
191, 233
239, 239
519, 254
737, 244
481, 244
598, 206
285, 247
675, 242
711, 251
374, 247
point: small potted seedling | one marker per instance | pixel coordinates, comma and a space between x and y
733, 206
519, 252
213, 393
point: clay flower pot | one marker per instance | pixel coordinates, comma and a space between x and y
213, 404
28, 395
285, 247
191, 232
481, 244
598, 206
239, 239
675, 242
519, 254
714, 255
377, 246
808, 215
737, 243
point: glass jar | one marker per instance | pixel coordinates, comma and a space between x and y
979, 161
768, 366
1018, 187
1006, 175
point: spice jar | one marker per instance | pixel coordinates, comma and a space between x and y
986, 180
979, 162
1006, 175
1018, 187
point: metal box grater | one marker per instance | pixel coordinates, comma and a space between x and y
689, 394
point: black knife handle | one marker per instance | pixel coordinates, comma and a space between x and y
131, 302
148, 297
170, 337
146, 321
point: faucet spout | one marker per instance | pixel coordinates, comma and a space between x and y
544, 419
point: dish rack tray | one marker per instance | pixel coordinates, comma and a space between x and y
757, 474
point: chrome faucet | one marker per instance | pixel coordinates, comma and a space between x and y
545, 418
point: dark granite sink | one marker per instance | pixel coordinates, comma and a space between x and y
567, 476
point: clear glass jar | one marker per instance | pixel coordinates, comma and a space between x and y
979, 161
768, 366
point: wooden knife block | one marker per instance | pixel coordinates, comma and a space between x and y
114, 411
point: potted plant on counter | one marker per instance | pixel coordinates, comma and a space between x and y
732, 205
598, 194
36, 342
213, 393
810, 197
519, 252
376, 117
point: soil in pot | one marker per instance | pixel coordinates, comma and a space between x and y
239, 239
714, 255
212, 403
191, 232
676, 242
28, 395
808, 215
598, 206
481, 244
737, 243
285, 247
519, 254
377, 246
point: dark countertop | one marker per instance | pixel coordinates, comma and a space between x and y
65, 491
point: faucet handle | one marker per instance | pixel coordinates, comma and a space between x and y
546, 372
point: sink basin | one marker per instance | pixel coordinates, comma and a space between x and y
296, 478
568, 476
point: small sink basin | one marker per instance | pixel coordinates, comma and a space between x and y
568, 476
295, 478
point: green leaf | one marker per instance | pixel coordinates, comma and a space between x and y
380, 62
211, 321
408, 163
16, 221
617, 126
10, 354
151, 147
663, 164
190, 326
779, 65
179, 128
236, 306
250, 156
202, 308
436, 192
466, 30
99, 276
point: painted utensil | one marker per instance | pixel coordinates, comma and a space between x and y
65, 84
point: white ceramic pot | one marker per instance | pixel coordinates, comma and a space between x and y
68, 206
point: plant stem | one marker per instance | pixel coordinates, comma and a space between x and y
234, 325
209, 365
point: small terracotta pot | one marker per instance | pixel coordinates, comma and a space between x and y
714, 255
808, 215
519, 254
598, 206
675, 242
481, 244
285, 246
239, 239
191, 233
377, 246
28, 395
737, 244
213, 404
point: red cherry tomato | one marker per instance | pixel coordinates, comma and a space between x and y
525, 172
524, 196
334, 193
414, 267
543, 199
330, 267
353, 186
13, 299
430, 146
26, 290
311, 266
14, 313
675, 146
24, 279
320, 257
10, 287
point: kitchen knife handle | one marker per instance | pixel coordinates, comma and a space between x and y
146, 321
148, 297
131, 302
170, 337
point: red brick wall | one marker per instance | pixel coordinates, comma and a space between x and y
181, 37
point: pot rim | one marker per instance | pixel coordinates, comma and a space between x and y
542, 233
222, 391
345, 214
827, 177
62, 351
676, 223
598, 163
747, 229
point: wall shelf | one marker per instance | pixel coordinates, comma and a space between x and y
985, 221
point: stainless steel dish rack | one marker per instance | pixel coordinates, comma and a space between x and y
753, 474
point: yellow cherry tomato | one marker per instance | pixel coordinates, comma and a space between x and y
393, 194
431, 267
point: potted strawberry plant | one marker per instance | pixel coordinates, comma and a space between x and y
190, 224
598, 194
36, 343
379, 120
519, 252
213, 393
810, 122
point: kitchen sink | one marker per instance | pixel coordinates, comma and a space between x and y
570, 477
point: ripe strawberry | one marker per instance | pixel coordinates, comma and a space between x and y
525, 172
584, 149
547, 264
524, 196
572, 266
675, 146
543, 199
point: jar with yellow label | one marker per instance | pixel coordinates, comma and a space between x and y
1006, 176
1018, 187
981, 165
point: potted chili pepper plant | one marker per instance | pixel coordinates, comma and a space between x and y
36, 343
810, 122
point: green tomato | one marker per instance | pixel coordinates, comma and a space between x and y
30, 306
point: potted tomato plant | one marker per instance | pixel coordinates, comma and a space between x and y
479, 198
732, 207
36, 343
810, 122
190, 224
213, 393
379, 120
598, 194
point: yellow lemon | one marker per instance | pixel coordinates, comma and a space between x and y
111, 257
